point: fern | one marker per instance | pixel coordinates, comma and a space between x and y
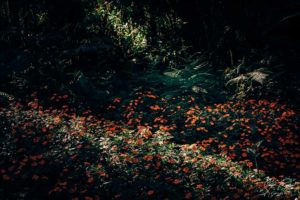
194, 75
246, 82
6, 96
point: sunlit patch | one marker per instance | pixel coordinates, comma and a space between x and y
64, 152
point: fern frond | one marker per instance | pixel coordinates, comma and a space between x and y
7, 96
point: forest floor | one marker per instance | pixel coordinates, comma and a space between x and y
149, 147
118, 104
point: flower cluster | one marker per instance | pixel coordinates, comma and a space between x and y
258, 133
71, 154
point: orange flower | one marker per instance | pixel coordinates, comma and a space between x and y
90, 180
151, 96
81, 133
134, 151
232, 155
62, 183
176, 181
158, 164
6, 177
244, 154
155, 107
144, 131
139, 142
117, 100
250, 164
35, 177
150, 192
251, 101
186, 170
231, 147
202, 148
188, 195
102, 173
148, 157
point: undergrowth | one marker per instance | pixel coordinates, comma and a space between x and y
147, 152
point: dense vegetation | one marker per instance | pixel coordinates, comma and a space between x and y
165, 99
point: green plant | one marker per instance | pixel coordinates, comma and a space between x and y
254, 150
245, 82
62, 153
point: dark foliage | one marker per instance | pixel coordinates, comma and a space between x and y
220, 68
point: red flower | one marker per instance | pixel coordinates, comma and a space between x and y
150, 192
